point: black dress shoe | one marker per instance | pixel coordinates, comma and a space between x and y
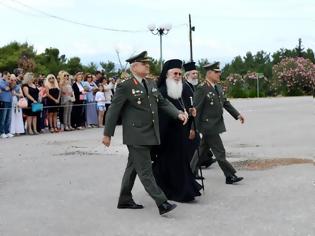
130, 205
166, 207
233, 179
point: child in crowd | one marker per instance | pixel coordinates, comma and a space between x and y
100, 99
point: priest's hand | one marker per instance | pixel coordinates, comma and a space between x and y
183, 117
241, 118
192, 134
193, 112
106, 140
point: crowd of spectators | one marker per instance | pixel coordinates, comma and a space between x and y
33, 104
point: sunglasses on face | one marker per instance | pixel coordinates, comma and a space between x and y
66, 75
177, 73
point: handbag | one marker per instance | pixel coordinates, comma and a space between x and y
22, 103
37, 107
82, 97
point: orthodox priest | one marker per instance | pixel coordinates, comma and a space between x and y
171, 166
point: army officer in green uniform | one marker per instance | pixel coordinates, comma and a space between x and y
137, 101
209, 101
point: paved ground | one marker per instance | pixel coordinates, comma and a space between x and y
67, 183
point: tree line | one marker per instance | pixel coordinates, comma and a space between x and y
239, 76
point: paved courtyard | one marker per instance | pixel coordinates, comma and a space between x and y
68, 183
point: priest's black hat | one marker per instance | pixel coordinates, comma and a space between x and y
168, 65
189, 66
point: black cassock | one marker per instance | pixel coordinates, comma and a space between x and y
171, 159
188, 91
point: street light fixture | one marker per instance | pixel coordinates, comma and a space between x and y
161, 30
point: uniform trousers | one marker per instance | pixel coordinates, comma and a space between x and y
214, 142
139, 163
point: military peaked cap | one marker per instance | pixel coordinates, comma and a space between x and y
141, 57
214, 67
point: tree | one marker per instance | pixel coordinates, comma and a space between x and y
299, 48
49, 62
155, 67
283, 53
74, 65
263, 64
249, 62
26, 64
90, 68
109, 68
309, 54
10, 55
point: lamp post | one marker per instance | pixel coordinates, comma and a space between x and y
191, 28
161, 30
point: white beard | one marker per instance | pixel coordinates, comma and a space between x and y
194, 82
174, 89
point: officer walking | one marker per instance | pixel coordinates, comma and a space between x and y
209, 102
137, 101
190, 83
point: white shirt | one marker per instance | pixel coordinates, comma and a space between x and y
108, 93
80, 87
100, 98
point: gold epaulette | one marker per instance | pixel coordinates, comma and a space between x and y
126, 79
202, 84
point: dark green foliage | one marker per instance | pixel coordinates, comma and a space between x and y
50, 61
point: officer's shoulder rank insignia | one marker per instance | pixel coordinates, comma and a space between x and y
201, 85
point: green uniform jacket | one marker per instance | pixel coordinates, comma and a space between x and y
209, 107
139, 112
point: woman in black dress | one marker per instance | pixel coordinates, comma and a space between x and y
30, 91
52, 101
78, 115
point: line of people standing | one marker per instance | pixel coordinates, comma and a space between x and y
63, 102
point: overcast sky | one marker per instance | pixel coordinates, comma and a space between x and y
224, 28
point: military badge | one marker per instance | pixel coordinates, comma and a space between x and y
137, 92
211, 95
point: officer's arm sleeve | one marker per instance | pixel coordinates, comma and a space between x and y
228, 106
168, 107
112, 115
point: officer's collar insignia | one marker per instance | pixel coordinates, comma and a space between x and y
135, 81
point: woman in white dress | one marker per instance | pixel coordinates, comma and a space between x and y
17, 124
